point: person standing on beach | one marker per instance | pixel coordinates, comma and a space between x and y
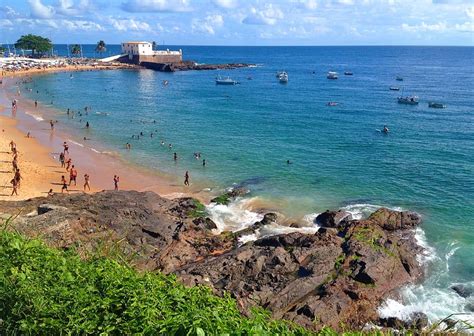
64, 183
66, 148
175, 156
73, 175
51, 123
62, 159
68, 164
116, 181
36, 103
186, 178
14, 183
86, 182
18, 178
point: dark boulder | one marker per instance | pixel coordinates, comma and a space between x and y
462, 290
333, 219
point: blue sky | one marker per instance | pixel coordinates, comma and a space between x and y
243, 22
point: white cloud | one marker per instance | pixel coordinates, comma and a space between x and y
228, 4
423, 27
6, 23
38, 10
8, 12
70, 8
129, 25
470, 12
466, 27
267, 16
209, 24
136, 6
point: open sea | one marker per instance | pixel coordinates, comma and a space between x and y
247, 132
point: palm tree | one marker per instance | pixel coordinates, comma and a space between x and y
100, 48
76, 49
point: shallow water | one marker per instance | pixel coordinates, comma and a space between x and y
248, 131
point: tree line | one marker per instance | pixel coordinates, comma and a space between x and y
40, 46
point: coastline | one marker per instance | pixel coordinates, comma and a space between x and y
38, 159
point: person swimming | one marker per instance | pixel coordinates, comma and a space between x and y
385, 129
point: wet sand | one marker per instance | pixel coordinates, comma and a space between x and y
39, 158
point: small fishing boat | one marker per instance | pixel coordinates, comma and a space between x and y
283, 78
409, 100
436, 105
400, 79
348, 73
332, 104
225, 81
332, 75
394, 88
279, 73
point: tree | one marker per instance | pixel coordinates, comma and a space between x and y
100, 48
35, 43
76, 49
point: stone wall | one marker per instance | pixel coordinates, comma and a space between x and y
160, 58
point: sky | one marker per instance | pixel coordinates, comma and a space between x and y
242, 22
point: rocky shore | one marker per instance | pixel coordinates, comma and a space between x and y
336, 277
190, 65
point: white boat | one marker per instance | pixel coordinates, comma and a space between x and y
279, 73
225, 81
283, 78
394, 88
332, 75
409, 100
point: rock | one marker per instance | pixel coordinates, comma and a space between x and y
332, 219
334, 277
44, 208
392, 322
469, 306
417, 321
228, 196
394, 220
462, 290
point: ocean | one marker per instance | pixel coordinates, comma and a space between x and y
339, 159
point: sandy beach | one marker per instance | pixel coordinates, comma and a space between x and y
38, 157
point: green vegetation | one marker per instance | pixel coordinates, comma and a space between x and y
100, 48
44, 291
199, 210
37, 44
370, 236
76, 49
223, 199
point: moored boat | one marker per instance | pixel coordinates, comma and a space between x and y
394, 88
400, 79
225, 81
283, 78
348, 73
409, 100
332, 75
436, 105
332, 104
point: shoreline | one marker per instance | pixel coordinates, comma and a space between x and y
39, 154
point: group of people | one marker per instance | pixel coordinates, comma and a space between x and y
15, 181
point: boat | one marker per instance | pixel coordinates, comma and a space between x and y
283, 78
436, 105
332, 75
409, 100
394, 88
332, 104
225, 81
279, 73
400, 79
348, 73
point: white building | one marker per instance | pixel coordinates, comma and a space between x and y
137, 48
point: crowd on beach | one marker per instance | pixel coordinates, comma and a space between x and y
22, 64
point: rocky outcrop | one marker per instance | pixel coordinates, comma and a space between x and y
190, 65
338, 276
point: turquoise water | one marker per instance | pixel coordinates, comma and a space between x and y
248, 131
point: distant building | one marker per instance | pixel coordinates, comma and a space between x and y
142, 52
137, 48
